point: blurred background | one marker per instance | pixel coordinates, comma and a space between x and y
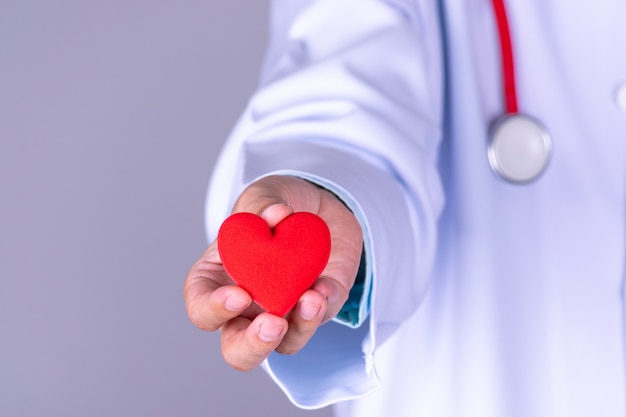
112, 114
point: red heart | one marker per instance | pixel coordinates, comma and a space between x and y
274, 266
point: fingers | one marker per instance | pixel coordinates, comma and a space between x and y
211, 297
304, 320
245, 343
210, 310
334, 294
248, 335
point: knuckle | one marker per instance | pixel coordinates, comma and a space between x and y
244, 360
293, 344
239, 352
304, 329
235, 363
201, 321
286, 350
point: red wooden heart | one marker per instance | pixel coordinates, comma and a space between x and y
274, 266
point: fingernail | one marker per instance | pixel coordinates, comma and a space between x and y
270, 207
235, 303
269, 332
308, 311
275, 213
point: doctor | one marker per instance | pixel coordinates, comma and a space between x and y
470, 159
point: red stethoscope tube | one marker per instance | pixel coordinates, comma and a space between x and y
506, 49
520, 147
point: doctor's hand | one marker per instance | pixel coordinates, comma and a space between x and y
249, 335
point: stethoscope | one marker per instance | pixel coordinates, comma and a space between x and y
520, 147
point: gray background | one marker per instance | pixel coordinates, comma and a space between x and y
111, 116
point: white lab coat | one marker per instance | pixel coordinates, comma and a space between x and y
488, 299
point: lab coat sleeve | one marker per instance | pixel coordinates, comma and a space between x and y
350, 97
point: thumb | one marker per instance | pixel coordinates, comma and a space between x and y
276, 213
276, 197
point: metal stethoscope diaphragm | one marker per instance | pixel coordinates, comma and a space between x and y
519, 147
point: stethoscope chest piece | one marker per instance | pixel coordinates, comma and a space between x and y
519, 149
